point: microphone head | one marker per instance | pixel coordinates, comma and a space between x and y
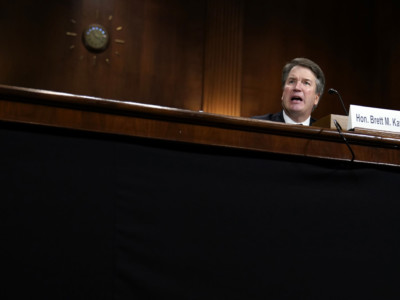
332, 91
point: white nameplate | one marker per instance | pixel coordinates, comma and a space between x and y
373, 118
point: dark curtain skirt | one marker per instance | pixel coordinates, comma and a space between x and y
92, 216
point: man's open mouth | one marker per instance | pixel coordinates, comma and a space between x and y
296, 98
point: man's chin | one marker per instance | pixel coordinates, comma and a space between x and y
296, 109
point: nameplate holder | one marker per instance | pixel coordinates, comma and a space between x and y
373, 118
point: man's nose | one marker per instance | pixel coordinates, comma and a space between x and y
297, 86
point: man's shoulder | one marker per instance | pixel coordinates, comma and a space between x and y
276, 117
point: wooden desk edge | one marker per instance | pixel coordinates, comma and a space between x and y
14, 100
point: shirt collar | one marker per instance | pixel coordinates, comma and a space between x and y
288, 120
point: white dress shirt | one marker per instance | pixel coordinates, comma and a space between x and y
288, 120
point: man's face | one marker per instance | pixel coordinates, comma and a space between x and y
299, 93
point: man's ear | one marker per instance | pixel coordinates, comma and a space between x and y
316, 101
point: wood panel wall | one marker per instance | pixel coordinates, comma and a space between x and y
355, 42
218, 56
160, 61
223, 57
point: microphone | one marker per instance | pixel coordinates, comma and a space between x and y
339, 129
333, 91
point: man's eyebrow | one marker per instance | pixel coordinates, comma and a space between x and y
303, 78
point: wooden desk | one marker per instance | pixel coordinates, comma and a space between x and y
61, 110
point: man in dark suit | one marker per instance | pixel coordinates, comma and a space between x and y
303, 84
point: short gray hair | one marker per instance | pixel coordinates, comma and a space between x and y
309, 64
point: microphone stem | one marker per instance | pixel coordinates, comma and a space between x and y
344, 108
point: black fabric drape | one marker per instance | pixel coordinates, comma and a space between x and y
91, 216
